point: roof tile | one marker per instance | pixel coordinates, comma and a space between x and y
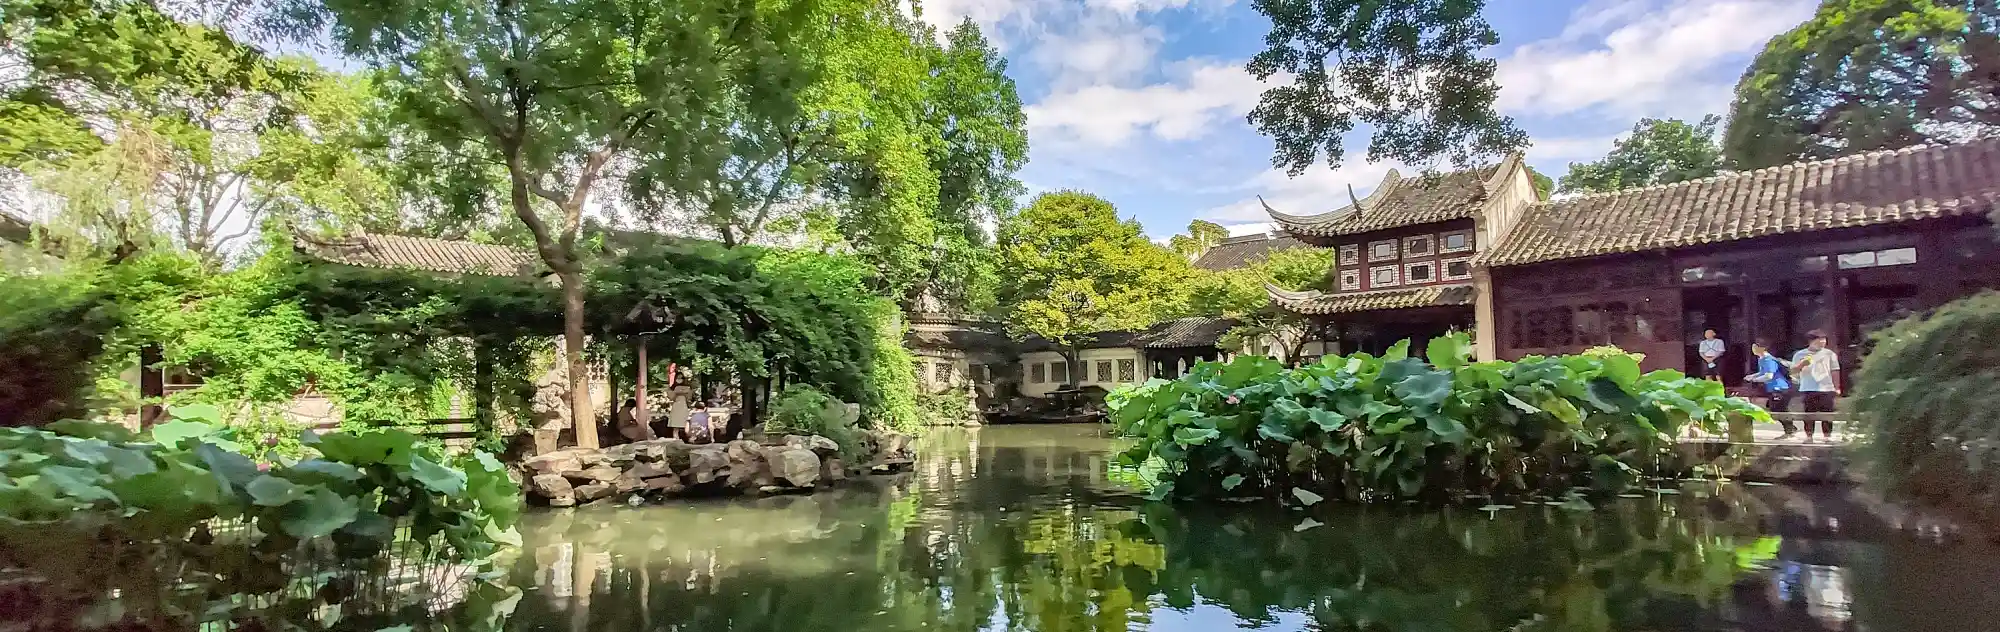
1320, 303
1238, 252
1882, 187
421, 253
1398, 202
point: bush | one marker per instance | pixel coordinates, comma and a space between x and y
949, 407
804, 410
52, 329
180, 528
1395, 427
1924, 399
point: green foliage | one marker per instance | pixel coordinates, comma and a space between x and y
1924, 399
1069, 267
948, 407
1608, 351
804, 410
1410, 71
1239, 294
1201, 236
52, 329
1397, 427
1659, 151
1543, 185
183, 528
1868, 74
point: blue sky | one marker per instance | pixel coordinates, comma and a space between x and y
1142, 101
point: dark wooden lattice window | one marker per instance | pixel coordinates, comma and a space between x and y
1103, 370
1126, 370
1059, 371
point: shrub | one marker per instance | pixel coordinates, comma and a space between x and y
949, 407
1603, 351
52, 329
1924, 402
1395, 427
181, 528
804, 410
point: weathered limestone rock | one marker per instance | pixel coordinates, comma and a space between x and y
627, 483
650, 470
749, 467
831, 471
797, 466
705, 463
666, 467
592, 492
600, 473
558, 462
552, 487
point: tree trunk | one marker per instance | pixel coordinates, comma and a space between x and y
579, 376
482, 387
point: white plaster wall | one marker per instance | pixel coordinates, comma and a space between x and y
1090, 358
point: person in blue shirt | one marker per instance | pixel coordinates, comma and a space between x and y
1771, 376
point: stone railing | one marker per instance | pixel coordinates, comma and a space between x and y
666, 468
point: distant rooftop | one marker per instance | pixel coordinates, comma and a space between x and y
1237, 252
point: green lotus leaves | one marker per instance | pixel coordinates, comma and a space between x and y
1396, 427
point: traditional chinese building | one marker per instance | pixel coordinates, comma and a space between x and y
1840, 246
1405, 260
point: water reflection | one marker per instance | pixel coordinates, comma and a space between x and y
1021, 529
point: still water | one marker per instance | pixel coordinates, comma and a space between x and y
1022, 528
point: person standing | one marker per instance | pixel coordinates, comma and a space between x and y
1777, 389
1710, 348
1818, 371
677, 415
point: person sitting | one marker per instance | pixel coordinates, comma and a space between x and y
630, 425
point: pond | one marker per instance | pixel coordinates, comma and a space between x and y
1026, 528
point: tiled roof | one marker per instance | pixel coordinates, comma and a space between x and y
1236, 252
1180, 333
1882, 187
965, 337
422, 253
1396, 203
1196, 331
1317, 303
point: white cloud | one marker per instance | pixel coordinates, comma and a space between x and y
1111, 51
1313, 192
1572, 148
1655, 57
1105, 115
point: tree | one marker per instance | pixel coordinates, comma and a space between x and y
1239, 294
1410, 70
1869, 74
181, 108
555, 90
1069, 268
973, 107
1659, 151
1543, 184
1201, 236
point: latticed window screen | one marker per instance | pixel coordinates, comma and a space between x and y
1103, 370
1059, 370
1127, 369
943, 373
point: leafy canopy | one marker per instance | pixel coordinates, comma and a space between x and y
1659, 151
1409, 70
1070, 267
1868, 74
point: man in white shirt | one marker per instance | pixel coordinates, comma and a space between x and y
1710, 348
1817, 370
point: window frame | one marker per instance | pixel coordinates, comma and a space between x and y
1409, 276
1059, 373
1395, 246
1350, 280
1444, 269
1128, 370
1350, 254
1409, 245
1444, 241
1103, 371
1037, 374
1396, 278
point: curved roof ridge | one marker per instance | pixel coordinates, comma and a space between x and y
1389, 182
1850, 158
